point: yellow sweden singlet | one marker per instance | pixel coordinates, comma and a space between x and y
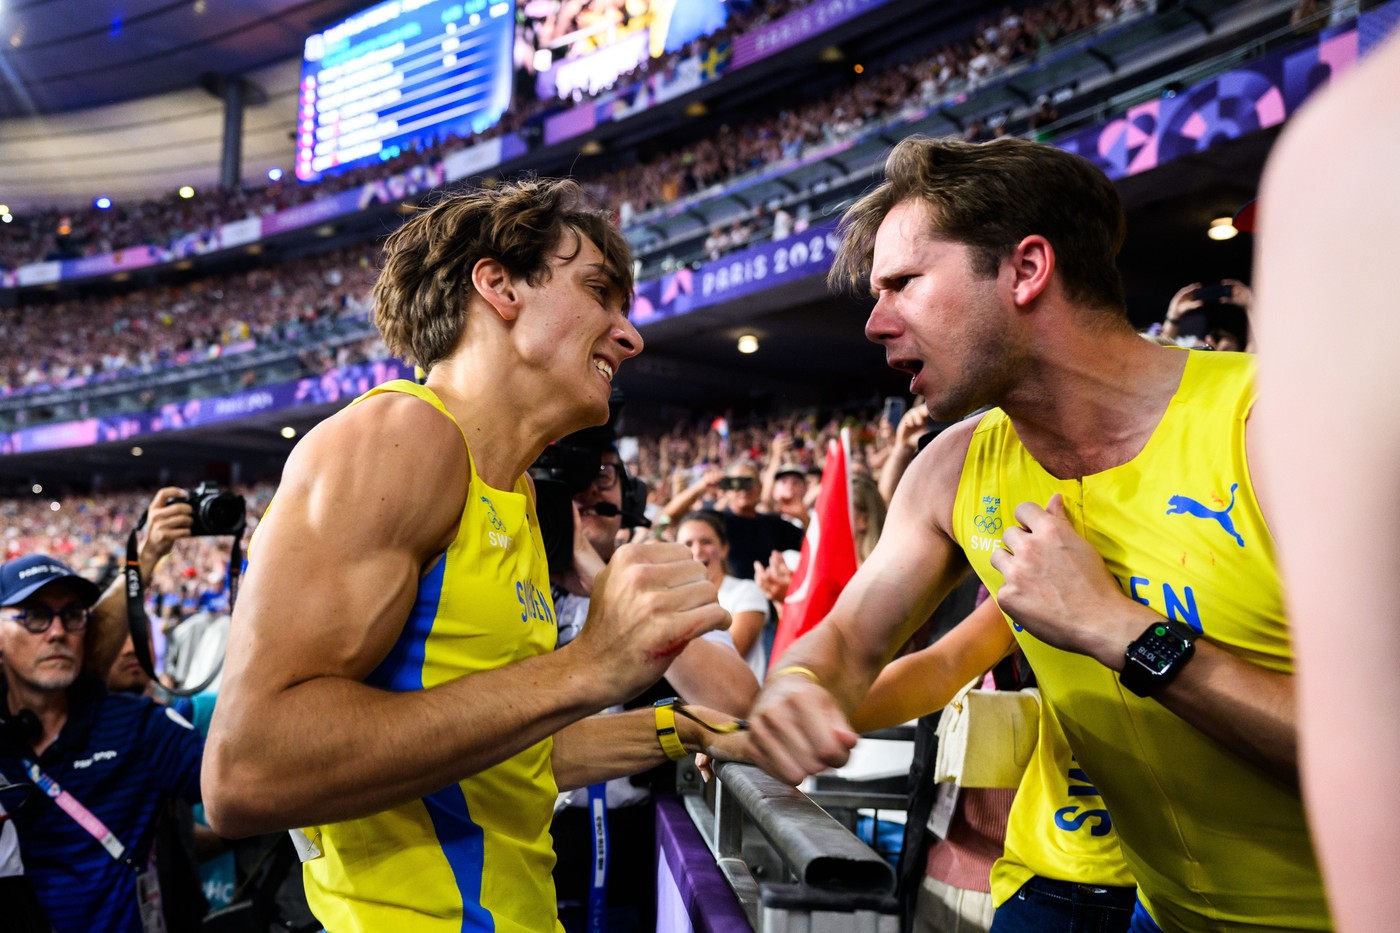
1058, 827
475, 855
1212, 843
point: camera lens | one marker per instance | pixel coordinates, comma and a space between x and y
222, 514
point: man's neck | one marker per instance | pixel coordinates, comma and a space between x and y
1094, 402
49, 705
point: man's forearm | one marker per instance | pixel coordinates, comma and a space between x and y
616, 745
107, 630
332, 749
1247, 709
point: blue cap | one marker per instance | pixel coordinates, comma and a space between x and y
23, 577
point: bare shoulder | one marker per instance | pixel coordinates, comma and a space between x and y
930, 485
368, 498
392, 461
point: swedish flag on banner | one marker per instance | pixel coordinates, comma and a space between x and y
715, 61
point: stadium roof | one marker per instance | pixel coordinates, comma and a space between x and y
63, 55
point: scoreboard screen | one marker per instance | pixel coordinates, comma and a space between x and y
400, 75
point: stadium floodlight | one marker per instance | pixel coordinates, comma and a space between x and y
1222, 228
186, 192
102, 203
274, 174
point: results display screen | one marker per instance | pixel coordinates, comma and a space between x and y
400, 75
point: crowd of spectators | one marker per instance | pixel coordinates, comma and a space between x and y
88, 531
71, 232
866, 100
874, 96
86, 339
105, 338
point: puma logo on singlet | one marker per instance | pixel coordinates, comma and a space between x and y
1185, 505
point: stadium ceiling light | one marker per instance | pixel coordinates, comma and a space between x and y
55, 506
748, 343
7, 217
289, 432
137, 451
274, 174
186, 191
37, 488
1222, 228
102, 203
4, 208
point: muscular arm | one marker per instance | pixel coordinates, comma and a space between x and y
297, 738
802, 727
926, 681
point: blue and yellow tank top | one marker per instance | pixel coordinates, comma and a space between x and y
476, 855
1059, 827
1212, 843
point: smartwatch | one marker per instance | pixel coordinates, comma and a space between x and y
1156, 656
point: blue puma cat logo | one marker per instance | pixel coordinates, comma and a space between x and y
1185, 505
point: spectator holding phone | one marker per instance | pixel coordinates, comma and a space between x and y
753, 535
1223, 323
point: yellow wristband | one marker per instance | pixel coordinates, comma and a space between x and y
666, 734
794, 669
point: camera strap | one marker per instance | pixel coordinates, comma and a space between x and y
140, 623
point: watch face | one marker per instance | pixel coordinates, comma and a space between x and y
1158, 648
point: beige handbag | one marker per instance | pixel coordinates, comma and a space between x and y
986, 737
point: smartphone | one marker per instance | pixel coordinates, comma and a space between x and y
894, 410
1214, 294
731, 483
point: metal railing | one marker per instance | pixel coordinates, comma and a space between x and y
792, 866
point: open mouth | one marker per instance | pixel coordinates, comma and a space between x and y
604, 367
910, 366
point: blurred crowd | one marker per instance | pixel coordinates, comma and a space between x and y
85, 339
139, 332
66, 233
89, 531
69, 233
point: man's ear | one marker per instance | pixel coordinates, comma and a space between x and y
494, 283
1032, 265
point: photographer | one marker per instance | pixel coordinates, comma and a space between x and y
708, 672
1218, 314
90, 770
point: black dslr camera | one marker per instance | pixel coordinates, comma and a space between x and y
563, 471
216, 512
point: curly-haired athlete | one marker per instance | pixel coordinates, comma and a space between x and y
391, 689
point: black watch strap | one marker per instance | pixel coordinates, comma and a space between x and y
1156, 656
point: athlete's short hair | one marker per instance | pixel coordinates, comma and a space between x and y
424, 286
990, 196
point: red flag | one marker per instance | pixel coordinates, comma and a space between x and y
828, 554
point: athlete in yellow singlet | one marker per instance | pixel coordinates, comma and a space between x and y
391, 692
993, 270
1182, 534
